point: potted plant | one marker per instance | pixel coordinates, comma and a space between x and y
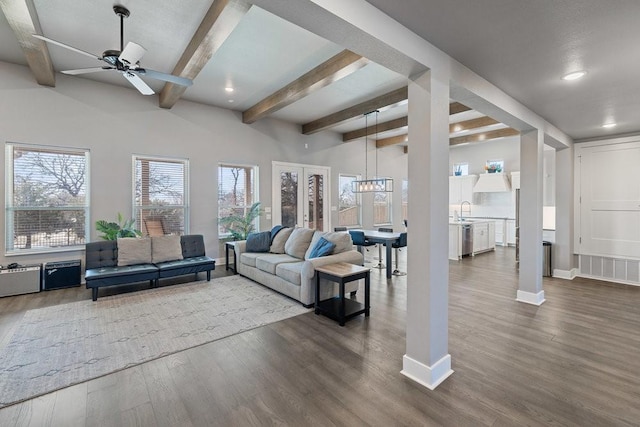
113, 230
239, 226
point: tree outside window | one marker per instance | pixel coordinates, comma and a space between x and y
47, 201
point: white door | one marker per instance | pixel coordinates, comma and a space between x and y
301, 196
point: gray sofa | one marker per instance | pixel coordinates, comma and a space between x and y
103, 269
292, 273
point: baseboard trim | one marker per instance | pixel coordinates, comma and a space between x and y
565, 274
428, 376
530, 298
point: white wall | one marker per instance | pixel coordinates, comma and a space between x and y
114, 123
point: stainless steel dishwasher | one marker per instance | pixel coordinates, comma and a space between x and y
467, 239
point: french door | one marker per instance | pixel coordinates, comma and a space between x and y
301, 195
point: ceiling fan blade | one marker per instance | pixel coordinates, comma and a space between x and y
86, 70
66, 46
132, 53
138, 83
182, 81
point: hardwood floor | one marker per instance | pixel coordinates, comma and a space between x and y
572, 361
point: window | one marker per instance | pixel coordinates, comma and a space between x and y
493, 166
161, 195
349, 212
405, 198
47, 198
236, 191
381, 208
461, 169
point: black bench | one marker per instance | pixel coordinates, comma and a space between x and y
102, 265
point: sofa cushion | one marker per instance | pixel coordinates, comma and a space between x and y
290, 271
132, 250
279, 240
259, 242
298, 243
165, 248
268, 263
322, 248
249, 258
340, 239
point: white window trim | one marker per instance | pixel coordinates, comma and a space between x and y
9, 198
389, 207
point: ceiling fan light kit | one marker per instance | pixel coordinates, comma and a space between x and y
126, 61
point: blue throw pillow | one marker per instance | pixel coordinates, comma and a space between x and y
322, 248
259, 242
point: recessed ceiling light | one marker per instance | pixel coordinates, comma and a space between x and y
229, 89
457, 128
608, 125
230, 101
574, 76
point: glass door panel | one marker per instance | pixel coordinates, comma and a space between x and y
289, 198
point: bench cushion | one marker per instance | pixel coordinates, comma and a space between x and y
106, 276
185, 266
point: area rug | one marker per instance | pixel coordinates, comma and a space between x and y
58, 346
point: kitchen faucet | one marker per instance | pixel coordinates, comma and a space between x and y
461, 211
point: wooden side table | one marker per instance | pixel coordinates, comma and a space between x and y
339, 308
230, 246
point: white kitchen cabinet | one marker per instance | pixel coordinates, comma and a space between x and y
511, 232
484, 236
500, 232
455, 242
461, 188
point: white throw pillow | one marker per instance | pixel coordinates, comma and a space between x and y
132, 250
165, 248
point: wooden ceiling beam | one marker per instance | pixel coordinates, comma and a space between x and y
479, 137
456, 107
384, 142
332, 70
483, 136
23, 20
472, 124
218, 23
334, 119
371, 130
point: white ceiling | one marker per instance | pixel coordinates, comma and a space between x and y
522, 47
525, 47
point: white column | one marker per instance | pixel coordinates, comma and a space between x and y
427, 360
530, 284
563, 258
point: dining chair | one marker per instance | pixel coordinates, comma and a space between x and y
401, 243
154, 227
360, 241
380, 265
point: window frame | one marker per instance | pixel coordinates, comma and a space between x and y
358, 200
255, 191
9, 246
136, 209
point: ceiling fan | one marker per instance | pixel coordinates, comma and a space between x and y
125, 61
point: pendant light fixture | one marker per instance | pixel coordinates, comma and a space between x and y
375, 184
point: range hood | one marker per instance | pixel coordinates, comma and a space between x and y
492, 183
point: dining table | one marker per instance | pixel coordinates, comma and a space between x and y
385, 238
